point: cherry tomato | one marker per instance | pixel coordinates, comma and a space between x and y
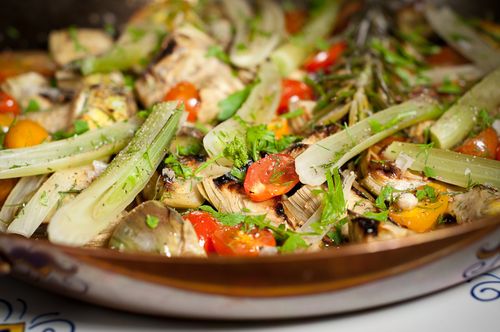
498, 152
483, 145
232, 241
271, 176
295, 20
293, 90
204, 225
324, 59
5, 187
188, 94
8, 104
446, 56
24, 133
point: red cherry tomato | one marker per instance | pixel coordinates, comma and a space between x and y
204, 225
324, 59
188, 94
483, 145
232, 241
8, 104
295, 20
293, 90
271, 176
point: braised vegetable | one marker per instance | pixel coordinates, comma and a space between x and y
93, 209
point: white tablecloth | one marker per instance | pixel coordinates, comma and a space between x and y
472, 306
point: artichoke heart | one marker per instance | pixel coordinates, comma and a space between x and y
103, 105
168, 234
474, 204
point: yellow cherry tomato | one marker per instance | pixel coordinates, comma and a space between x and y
280, 127
25, 133
425, 215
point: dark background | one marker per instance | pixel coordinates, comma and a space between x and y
25, 23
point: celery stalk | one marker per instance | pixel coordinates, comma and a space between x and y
135, 48
79, 221
335, 150
448, 166
20, 195
459, 120
254, 43
290, 56
47, 198
67, 153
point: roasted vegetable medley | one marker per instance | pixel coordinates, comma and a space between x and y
246, 128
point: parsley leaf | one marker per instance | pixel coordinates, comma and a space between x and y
293, 242
334, 205
192, 149
227, 219
429, 172
426, 192
152, 221
233, 102
449, 87
33, 106
380, 216
237, 151
217, 52
180, 170
385, 195
484, 119
81, 126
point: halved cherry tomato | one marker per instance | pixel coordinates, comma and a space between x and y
295, 20
232, 241
188, 94
293, 90
204, 225
324, 59
483, 145
8, 104
25, 133
271, 176
5, 188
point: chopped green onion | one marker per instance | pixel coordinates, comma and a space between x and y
79, 221
335, 150
448, 166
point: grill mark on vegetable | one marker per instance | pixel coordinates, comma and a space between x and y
368, 226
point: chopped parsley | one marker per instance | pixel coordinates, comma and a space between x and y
152, 221
33, 106
427, 192
379, 216
44, 199
79, 127
429, 172
293, 114
237, 151
386, 194
484, 119
334, 204
217, 52
73, 35
192, 149
180, 170
449, 87
290, 240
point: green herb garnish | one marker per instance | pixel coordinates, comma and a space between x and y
152, 221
